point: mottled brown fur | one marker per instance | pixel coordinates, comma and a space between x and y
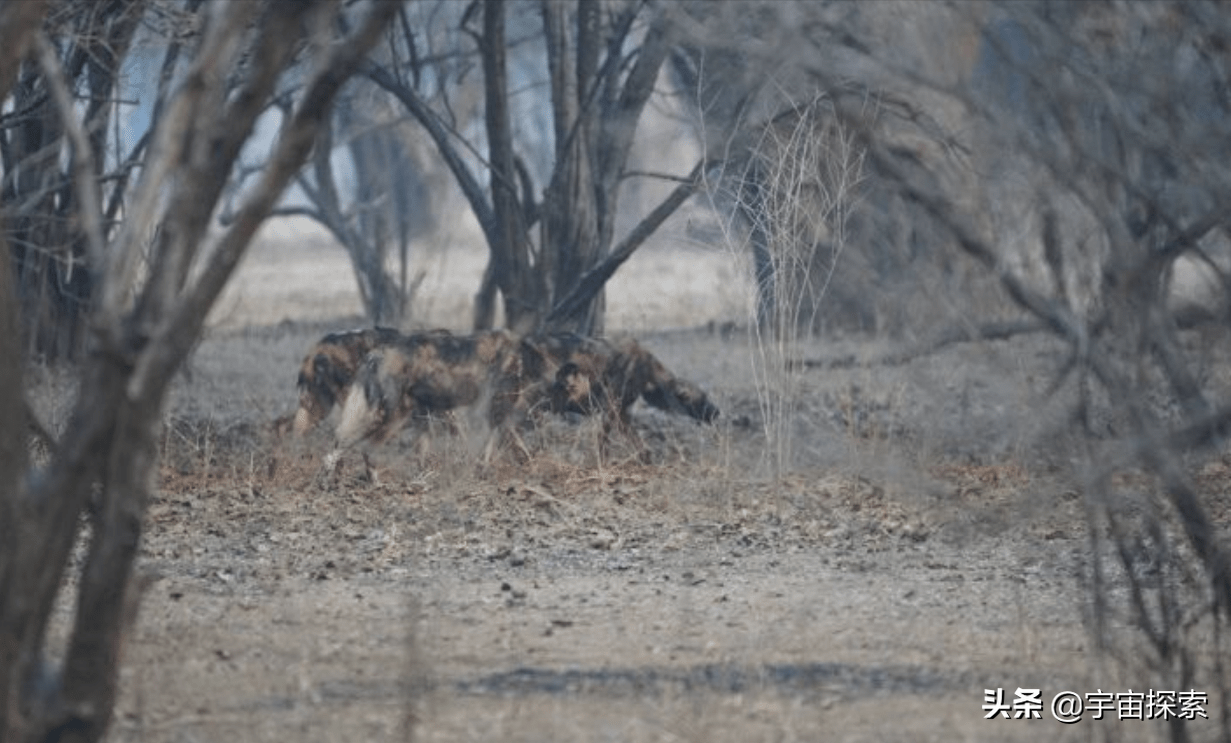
328, 369
561, 373
330, 366
566, 373
594, 376
423, 376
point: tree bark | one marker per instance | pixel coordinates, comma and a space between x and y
595, 118
568, 230
569, 310
513, 270
19, 22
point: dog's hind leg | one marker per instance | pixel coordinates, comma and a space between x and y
359, 421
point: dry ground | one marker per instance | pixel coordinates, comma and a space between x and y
922, 548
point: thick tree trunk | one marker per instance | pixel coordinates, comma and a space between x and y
571, 309
19, 22
598, 92
372, 230
569, 227
514, 272
12, 479
595, 115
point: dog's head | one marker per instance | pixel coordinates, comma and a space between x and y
573, 390
682, 396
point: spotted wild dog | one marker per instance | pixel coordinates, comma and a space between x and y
559, 373
421, 376
567, 373
329, 368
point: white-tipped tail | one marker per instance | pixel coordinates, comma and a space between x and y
355, 421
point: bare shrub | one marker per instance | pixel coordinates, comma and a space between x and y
797, 189
1125, 139
1093, 145
802, 183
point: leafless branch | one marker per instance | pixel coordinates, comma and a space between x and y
594, 279
443, 136
83, 152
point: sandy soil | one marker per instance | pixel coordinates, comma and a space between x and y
919, 550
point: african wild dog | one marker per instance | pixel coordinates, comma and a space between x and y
422, 376
329, 368
557, 373
568, 373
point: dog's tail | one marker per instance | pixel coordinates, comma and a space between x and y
356, 422
681, 396
364, 407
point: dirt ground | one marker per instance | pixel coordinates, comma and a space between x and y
920, 548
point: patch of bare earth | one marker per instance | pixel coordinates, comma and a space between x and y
916, 554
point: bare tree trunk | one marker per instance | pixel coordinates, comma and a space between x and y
374, 195
591, 283
485, 299
364, 236
513, 269
372, 228
12, 478
569, 227
145, 325
19, 22
595, 111
752, 205
599, 89
12, 465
